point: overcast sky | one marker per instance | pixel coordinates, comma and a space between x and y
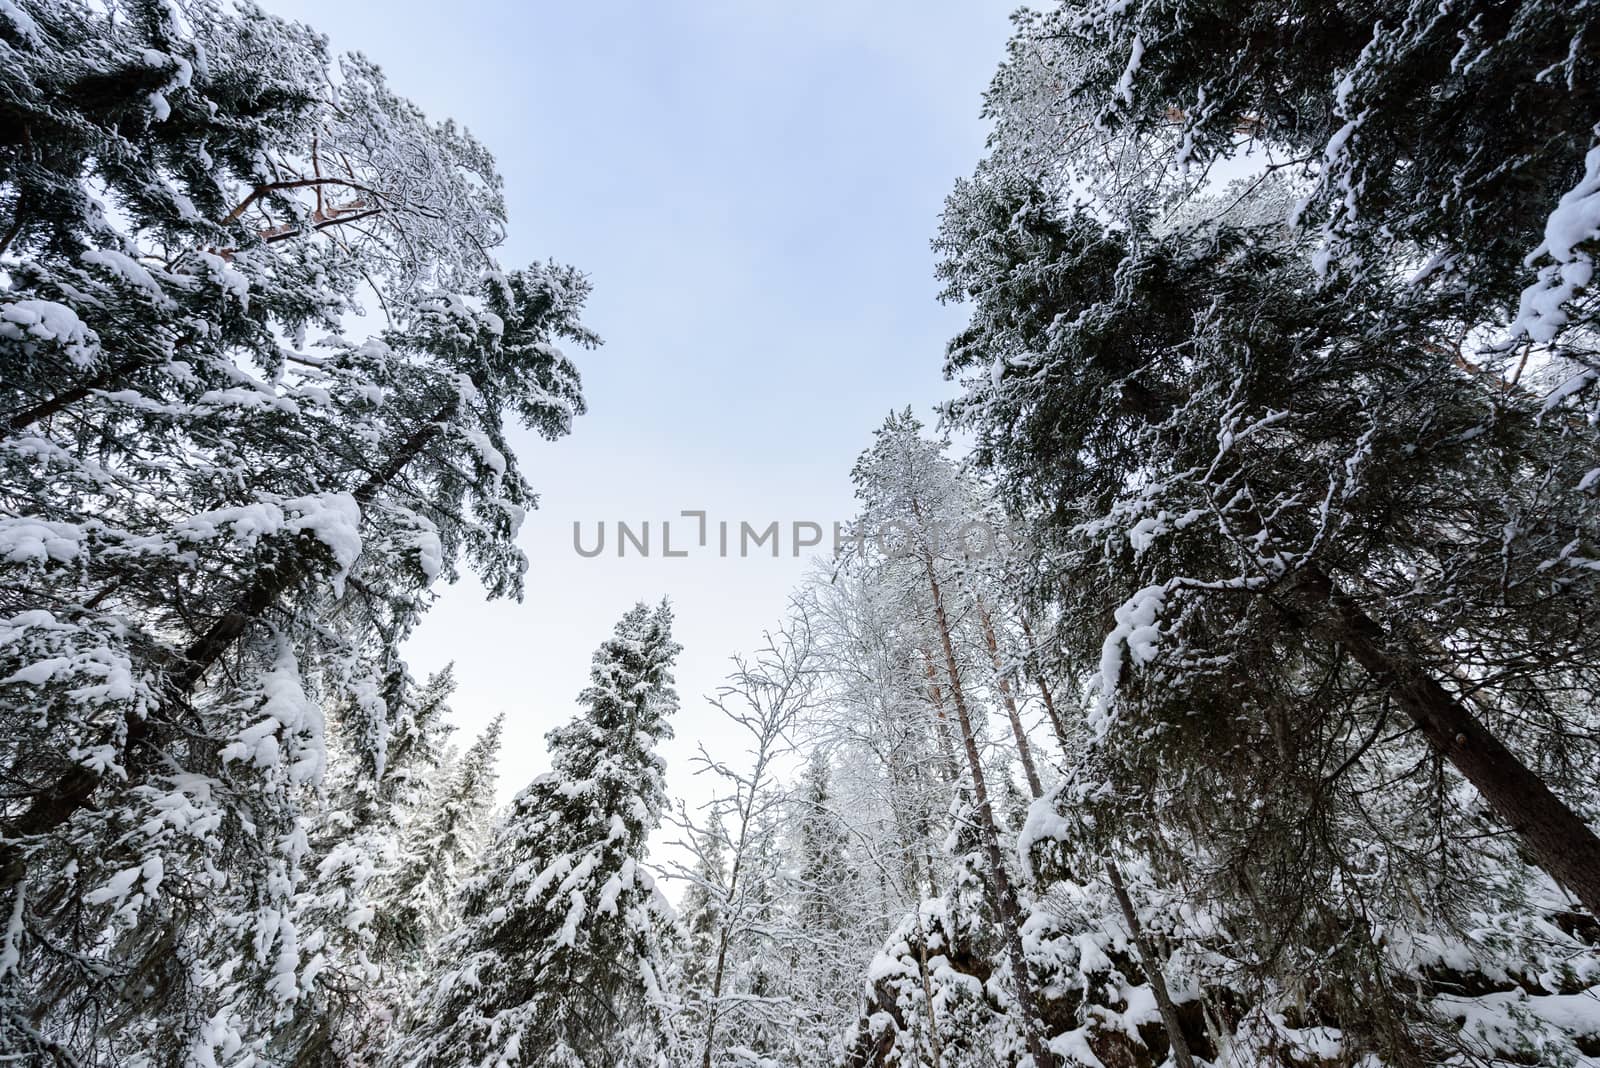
752, 188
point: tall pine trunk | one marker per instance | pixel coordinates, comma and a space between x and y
1005, 896
1024, 750
941, 722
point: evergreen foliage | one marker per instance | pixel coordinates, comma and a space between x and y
559, 959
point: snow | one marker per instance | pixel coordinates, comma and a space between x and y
288, 720
1569, 388
1137, 631
490, 456
26, 28
1576, 1013
11, 945
609, 892
114, 889
223, 274
45, 320
1091, 957
1073, 1046
250, 523
1340, 138
552, 871
569, 927
284, 985
1574, 223
25, 540
1144, 533
125, 267
335, 519
1135, 58
113, 671
118, 890
888, 963
1043, 823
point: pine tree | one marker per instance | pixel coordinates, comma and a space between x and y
559, 957
1122, 353
216, 534
1307, 520
904, 480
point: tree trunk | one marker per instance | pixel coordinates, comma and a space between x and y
716, 1000
1005, 897
935, 1044
1034, 669
1152, 966
941, 723
203, 653
1024, 750
73, 790
1559, 841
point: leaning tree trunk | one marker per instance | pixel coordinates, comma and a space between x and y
1559, 841
42, 410
56, 804
1005, 896
1152, 969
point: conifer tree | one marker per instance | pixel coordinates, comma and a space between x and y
218, 529
1306, 474
440, 843
1164, 369
559, 959
375, 782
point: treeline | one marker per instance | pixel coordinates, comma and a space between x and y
1274, 741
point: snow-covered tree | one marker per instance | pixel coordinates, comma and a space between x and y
376, 783
215, 533
438, 846
1308, 482
905, 484
738, 1004
559, 957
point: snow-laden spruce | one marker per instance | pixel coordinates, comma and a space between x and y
559, 959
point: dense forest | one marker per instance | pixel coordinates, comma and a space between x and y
1229, 696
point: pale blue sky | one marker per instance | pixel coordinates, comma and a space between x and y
752, 188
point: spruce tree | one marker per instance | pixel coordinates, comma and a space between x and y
375, 780
437, 849
559, 957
